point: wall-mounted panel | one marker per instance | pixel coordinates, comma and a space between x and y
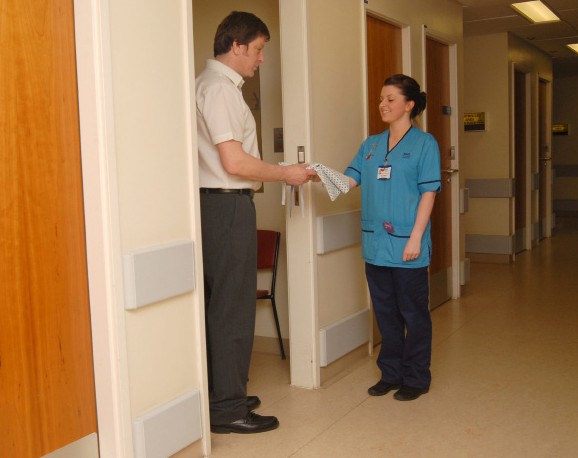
338, 231
158, 273
497, 187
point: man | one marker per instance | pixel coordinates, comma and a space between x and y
230, 170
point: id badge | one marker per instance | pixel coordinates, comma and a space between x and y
384, 172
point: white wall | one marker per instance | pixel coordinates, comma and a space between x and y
565, 148
153, 129
338, 120
488, 155
138, 133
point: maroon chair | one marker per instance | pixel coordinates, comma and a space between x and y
267, 257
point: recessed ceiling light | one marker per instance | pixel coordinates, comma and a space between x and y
535, 11
573, 47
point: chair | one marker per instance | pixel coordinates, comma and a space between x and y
267, 257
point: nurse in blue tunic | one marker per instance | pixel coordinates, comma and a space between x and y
399, 174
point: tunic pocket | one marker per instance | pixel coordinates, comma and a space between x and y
397, 241
368, 240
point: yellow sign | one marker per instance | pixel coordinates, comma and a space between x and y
559, 129
475, 121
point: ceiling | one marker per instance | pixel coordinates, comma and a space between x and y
483, 17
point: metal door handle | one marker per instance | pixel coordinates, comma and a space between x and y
450, 171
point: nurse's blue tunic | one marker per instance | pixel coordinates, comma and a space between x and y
389, 205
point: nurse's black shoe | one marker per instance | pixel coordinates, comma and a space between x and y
407, 393
381, 388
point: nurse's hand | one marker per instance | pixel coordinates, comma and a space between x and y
412, 249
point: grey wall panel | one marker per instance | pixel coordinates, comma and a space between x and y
495, 187
490, 244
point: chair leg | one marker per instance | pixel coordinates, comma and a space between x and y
278, 328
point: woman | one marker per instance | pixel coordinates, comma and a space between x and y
399, 174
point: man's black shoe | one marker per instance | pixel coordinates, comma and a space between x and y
407, 393
381, 388
252, 423
253, 402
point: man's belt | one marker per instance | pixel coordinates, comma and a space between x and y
245, 192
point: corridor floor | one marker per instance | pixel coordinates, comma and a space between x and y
504, 369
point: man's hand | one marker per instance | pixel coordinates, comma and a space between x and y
241, 164
298, 174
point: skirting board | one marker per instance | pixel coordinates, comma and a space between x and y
346, 335
163, 431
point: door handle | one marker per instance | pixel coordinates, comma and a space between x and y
450, 171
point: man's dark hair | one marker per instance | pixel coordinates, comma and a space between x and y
240, 27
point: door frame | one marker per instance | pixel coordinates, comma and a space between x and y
545, 158
103, 240
527, 235
95, 98
454, 135
300, 230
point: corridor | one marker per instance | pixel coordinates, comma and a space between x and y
505, 378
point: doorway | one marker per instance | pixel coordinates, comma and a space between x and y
521, 160
267, 108
439, 111
384, 58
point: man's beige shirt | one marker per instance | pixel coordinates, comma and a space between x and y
222, 115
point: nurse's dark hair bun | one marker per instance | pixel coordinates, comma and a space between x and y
411, 90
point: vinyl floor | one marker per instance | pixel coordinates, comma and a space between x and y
504, 369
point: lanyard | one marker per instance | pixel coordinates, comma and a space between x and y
400, 140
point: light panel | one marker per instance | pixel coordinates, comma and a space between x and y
535, 11
573, 47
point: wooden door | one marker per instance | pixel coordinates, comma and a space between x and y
520, 158
383, 60
439, 125
46, 370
